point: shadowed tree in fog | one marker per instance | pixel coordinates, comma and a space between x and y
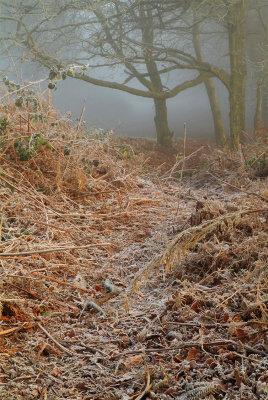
229, 18
210, 88
258, 54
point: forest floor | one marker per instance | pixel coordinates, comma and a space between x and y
129, 271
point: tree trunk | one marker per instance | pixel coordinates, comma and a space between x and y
211, 92
261, 113
164, 135
264, 109
238, 67
216, 113
263, 19
258, 111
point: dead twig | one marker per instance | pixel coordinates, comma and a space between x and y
23, 88
50, 278
60, 346
183, 158
257, 159
147, 387
141, 201
81, 116
170, 172
191, 344
95, 194
18, 328
41, 251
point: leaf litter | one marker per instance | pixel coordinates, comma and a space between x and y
124, 276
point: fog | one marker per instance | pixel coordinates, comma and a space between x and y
125, 114
129, 115
133, 116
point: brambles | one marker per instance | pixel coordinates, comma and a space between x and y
4, 125
55, 75
61, 74
51, 85
257, 160
27, 147
259, 165
25, 98
19, 102
38, 117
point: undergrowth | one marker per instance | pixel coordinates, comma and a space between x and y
78, 206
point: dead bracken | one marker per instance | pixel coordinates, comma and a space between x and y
173, 266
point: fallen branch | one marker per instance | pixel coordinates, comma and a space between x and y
96, 305
91, 304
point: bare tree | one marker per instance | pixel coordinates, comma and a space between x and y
145, 42
230, 17
119, 36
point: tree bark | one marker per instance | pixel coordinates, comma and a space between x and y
261, 112
164, 135
216, 113
261, 115
264, 109
238, 70
211, 92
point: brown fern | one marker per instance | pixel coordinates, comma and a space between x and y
182, 244
201, 390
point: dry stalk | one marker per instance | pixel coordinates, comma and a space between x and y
184, 151
169, 174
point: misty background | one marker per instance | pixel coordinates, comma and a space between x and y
128, 115
133, 116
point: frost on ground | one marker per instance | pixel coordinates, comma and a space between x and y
126, 273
